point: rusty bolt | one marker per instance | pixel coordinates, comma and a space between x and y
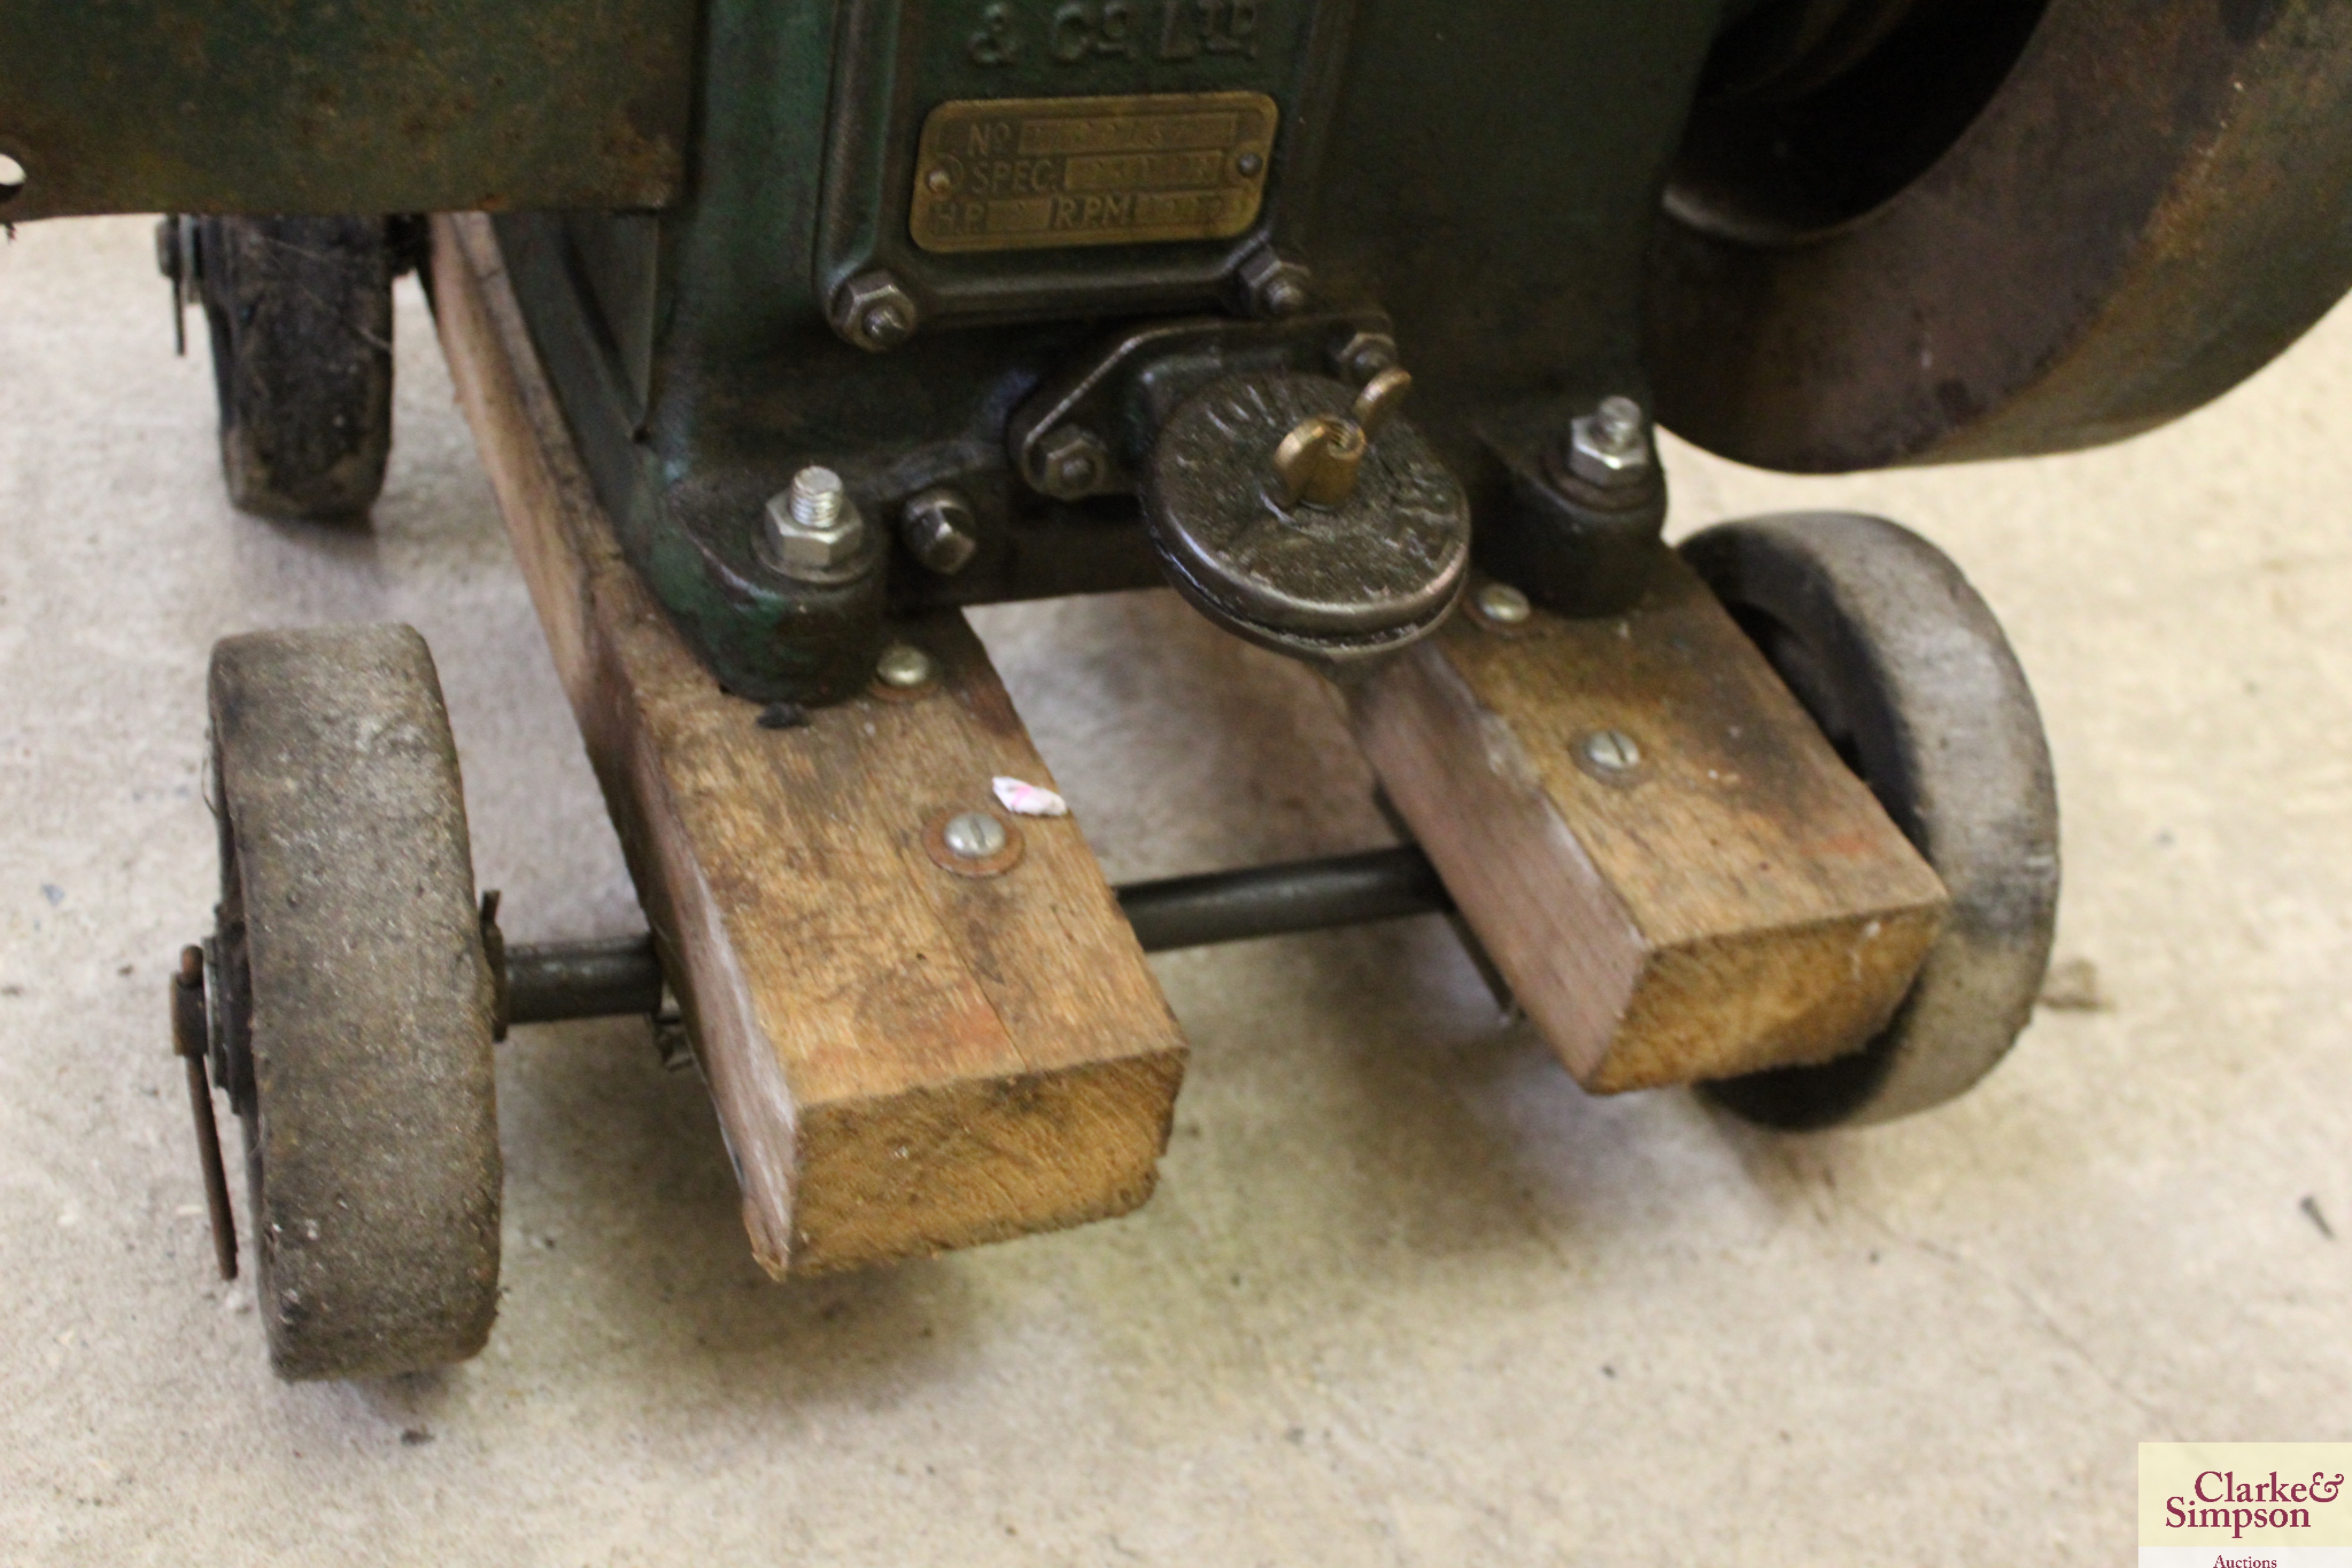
874, 312
940, 529
1273, 289
1364, 356
1072, 463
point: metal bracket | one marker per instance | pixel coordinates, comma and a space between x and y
1087, 431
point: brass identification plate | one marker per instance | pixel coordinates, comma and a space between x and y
1036, 173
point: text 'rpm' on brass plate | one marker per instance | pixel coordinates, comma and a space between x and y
1036, 173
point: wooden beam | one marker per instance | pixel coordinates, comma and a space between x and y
904, 1060
1736, 900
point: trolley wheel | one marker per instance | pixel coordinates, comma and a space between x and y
1903, 668
352, 1002
300, 314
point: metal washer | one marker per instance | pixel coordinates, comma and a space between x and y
1338, 584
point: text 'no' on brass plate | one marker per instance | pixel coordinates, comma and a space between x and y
1036, 173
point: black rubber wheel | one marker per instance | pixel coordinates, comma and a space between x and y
353, 1002
300, 314
1903, 668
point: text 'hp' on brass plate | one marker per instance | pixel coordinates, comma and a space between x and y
1036, 173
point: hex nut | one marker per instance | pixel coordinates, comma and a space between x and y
1364, 356
812, 532
1072, 463
874, 312
1611, 446
940, 529
1273, 289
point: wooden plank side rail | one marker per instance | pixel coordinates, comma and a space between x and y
904, 1060
1735, 901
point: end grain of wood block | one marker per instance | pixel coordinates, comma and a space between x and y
1737, 901
903, 1060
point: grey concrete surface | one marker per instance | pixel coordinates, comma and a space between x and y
1405, 1295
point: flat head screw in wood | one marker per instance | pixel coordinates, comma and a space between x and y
904, 667
1503, 605
975, 835
1610, 751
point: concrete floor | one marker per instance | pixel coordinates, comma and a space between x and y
1405, 1295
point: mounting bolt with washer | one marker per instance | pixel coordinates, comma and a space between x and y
812, 532
972, 843
874, 312
1611, 446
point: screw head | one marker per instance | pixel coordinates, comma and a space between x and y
813, 532
975, 835
1503, 605
1248, 164
1072, 463
1611, 446
903, 666
940, 529
1611, 752
874, 312
939, 182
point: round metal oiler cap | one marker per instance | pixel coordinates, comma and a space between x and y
1358, 578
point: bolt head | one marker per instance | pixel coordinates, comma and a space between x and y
874, 312
1272, 287
1608, 752
904, 667
1611, 446
939, 182
1503, 605
1072, 463
940, 529
1364, 356
975, 835
813, 532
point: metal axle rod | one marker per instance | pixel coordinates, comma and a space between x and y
546, 982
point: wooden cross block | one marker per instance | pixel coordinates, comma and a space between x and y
1734, 900
904, 1058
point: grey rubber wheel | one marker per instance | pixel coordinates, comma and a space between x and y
1906, 672
301, 316
357, 1000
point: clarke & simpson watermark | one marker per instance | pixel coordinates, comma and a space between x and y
2244, 1505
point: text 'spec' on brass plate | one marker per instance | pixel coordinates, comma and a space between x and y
1036, 173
